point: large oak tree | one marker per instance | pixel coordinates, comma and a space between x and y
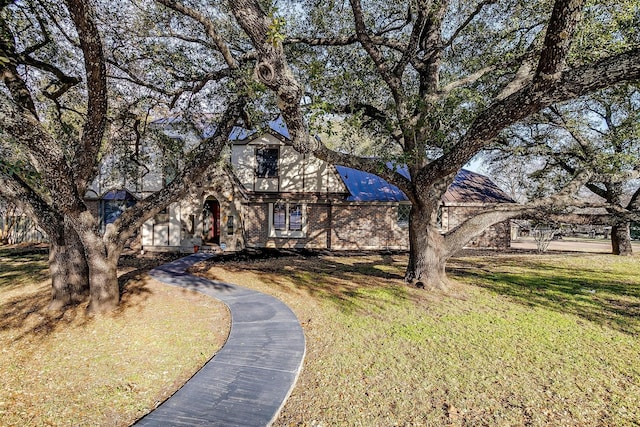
440, 79
67, 74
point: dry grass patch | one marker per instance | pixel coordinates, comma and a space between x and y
69, 369
505, 348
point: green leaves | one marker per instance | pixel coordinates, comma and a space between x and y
275, 34
20, 169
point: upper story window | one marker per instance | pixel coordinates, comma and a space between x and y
267, 162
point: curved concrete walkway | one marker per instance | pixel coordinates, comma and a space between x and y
247, 382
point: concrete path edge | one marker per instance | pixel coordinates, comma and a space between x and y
249, 380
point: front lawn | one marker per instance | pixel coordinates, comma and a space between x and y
521, 340
68, 369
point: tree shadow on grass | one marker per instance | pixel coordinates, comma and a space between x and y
27, 317
361, 284
606, 297
25, 313
18, 269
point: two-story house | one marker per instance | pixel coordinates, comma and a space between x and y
275, 197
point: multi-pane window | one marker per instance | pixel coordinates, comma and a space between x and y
288, 219
266, 162
295, 217
279, 216
403, 215
230, 226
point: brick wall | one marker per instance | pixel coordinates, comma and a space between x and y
367, 226
348, 226
256, 223
496, 236
257, 228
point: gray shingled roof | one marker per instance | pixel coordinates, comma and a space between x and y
467, 187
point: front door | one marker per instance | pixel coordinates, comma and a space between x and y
211, 222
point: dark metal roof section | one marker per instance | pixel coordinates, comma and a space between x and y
118, 195
367, 187
237, 133
467, 187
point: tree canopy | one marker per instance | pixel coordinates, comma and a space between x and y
441, 80
430, 83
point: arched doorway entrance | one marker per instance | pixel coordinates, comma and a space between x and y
211, 221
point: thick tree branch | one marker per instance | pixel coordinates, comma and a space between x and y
368, 164
575, 82
21, 194
391, 79
634, 203
474, 226
273, 70
85, 159
48, 157
210, 148
430, 44
562, 24
9, 71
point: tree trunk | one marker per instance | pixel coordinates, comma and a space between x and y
621, 239
427, 255
60, 292
68, 269
104, 293
102, 260
78, 274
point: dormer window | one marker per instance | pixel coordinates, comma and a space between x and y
267, 162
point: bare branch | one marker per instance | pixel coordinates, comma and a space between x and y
43, 43
466, 22
54, 18
209, 27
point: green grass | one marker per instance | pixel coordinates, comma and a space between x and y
20, 267
533, 340
600, 288
522, 341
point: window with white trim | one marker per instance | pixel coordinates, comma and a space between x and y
267, 162
287, 219
403, 215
